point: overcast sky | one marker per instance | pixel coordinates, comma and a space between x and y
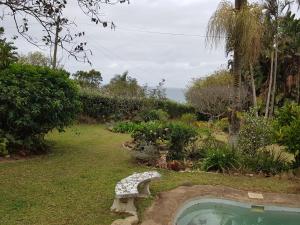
147, 56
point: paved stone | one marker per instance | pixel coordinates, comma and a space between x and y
255, 195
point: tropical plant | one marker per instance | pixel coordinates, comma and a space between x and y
287, 129
223, 159
241, 27
122, 85
267, 162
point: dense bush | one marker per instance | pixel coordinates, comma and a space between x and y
179, 136
103, 107
267, 162
150, 132
125, 127
155, 114
33, 101
175, 136
287, 129
222, 158
256, 132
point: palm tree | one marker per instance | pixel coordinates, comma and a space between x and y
241, 26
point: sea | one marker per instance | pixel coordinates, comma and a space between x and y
176, 94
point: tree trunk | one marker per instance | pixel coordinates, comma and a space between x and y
298, 84
274, 82
253, 90
237, 64
270, 86
56, 42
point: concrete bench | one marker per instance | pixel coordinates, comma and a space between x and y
129, 188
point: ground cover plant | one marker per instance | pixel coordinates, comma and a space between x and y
75, 183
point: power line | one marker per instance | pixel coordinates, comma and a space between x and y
161, 33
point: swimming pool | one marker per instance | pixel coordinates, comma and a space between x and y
225, 212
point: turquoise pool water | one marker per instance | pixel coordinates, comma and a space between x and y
224, 212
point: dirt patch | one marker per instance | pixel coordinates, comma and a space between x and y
167, 204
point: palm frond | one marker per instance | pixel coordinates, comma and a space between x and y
241, 29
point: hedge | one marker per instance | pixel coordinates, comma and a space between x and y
102, 107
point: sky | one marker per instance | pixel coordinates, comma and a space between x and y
145, 41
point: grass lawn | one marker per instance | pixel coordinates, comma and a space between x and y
74, 184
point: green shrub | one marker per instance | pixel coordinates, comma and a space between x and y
255, 133
267, 162
33, 101
287, 129
103, 107
223, 158
150, 132
156, 114
189, 118
175, 136
179, 136
125, 127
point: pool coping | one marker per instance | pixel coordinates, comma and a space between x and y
168, 204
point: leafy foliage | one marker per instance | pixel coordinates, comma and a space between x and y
256, 132
223, 158
125, 127
155, 114
287, 129
122, 85
33, 101
35, 59
102, 107
267, 162
90, 79
8, 54
179, 136
175, 135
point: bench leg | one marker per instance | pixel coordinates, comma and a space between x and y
145, 190
125, 205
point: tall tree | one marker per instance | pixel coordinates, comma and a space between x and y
8, 52
240, 25
90, 79
122, 85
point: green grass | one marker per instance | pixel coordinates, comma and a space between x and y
74, 184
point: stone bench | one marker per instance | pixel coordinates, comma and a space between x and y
129, 188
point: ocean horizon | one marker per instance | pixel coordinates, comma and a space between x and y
176, 94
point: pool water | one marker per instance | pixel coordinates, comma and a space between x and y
224, 212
